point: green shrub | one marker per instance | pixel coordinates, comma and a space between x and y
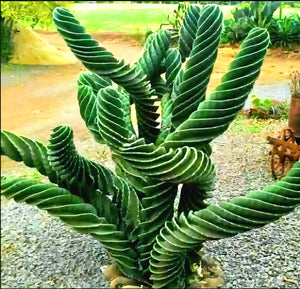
151, 213
265, 104
270, 107
175, 17
257, 14
31, 13
285, 33
234, 32
175, 20
7, 30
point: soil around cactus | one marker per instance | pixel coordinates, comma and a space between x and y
39, 251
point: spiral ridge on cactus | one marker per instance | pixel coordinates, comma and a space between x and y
99, 60
73, 211
88, 86
150, 63
220, 221
86, 178
173, 65
160, 87
215, 113
112, 120
166, 118
193, 196
181, 165
199, 66
188, 31
155, 52
80, 174
157, 208
93, 80
32, 153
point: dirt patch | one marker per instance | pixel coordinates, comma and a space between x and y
276, 67
32, 106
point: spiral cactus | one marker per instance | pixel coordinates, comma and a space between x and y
131, 211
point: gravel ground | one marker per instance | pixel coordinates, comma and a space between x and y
264, 257
39, 251
279, 91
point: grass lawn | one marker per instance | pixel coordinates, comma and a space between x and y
242, 125
134, 19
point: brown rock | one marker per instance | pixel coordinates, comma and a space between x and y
111, 272
205, 272
212, 282
195, 285
121, 280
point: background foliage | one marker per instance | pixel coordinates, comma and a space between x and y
29, 13
284, 32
